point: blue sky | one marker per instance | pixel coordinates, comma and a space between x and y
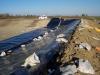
50, 7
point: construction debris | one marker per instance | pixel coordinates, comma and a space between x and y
82, 65
95, 38
97, 29
31, 60
84, 24
85, 67
98, 48
60, 40
85, 46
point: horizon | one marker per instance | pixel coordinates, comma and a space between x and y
50, 7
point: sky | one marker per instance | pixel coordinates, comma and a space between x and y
50, 7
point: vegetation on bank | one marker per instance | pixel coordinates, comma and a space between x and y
85, 16
7, 16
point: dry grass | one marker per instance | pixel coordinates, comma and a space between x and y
13, 27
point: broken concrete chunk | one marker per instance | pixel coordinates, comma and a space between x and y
31, 60
85, 45
85, 67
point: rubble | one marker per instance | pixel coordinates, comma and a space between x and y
97, 29
85, 67
98, 48
40, 37
81, 65
85, 45
95, 38
35, 39
59, 40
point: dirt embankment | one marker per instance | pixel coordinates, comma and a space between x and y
13, 27
85, 33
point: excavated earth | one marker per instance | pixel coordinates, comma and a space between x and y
84, 33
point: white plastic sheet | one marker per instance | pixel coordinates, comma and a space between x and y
68, 70
31, 60
85, 67
3, 54
60, 35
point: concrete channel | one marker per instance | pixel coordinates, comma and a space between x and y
46, 48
